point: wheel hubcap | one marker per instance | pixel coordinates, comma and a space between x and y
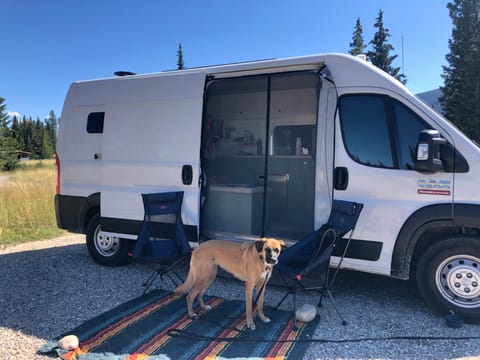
105, 244
458, 279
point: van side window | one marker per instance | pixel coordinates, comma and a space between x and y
380, 131
95, 122
408, 126
365, 130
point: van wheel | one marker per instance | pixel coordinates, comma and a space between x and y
105, 249
448, 277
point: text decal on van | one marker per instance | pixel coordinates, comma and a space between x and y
434, 187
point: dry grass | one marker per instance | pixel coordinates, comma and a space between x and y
27, 203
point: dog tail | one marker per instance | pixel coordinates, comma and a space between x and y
186, 286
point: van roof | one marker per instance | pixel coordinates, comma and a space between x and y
345, 70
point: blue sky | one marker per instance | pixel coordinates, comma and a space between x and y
48, 44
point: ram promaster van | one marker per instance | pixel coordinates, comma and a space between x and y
261, 149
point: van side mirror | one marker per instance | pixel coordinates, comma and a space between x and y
428, 151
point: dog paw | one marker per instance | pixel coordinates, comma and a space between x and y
207, 308
251, 325
265, 319
194, 315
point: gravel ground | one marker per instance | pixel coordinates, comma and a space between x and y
51, 286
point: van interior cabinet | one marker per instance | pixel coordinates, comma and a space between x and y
237, 209
234, 202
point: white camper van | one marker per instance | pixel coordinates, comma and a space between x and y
261, 149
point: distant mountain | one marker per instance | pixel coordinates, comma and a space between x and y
432, 98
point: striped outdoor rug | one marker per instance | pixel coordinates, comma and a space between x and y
156, 326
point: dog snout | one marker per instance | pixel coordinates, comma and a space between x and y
271, 256
271, 260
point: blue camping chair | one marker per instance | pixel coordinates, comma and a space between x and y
162, 238
312, 254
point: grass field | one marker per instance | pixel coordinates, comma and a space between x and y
26, 203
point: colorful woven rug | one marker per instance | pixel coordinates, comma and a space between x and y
156, 326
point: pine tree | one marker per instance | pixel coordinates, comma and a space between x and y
8, 146
51, 127
461, 91
15, 129
180, 64
357, 46
47, 146
380, 55
26, 133
37, 139
4, 119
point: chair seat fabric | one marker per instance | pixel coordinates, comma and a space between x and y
162, 235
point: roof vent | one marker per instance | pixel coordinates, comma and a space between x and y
123, 73
362, 57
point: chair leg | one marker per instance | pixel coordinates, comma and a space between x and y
295, 327
162, 270
178, 278
344, 322
283, 299
322, 294
293, 292
149, 282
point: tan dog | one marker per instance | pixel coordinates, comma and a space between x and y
249, 262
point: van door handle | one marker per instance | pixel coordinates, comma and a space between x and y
187, 174
340, 178
97, 156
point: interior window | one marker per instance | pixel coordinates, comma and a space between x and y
365, 129
294, 140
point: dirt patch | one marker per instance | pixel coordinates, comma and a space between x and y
69, 239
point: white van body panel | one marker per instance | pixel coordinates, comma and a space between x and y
151, 129
159, 116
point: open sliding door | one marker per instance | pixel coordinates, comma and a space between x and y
258, 156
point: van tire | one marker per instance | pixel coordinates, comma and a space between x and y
448, 277
106, 250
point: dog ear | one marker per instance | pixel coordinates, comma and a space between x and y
282, 244
259, 245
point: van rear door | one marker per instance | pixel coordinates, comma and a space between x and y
79, 143
151, 144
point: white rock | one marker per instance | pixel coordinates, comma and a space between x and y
68, 342
306, 313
